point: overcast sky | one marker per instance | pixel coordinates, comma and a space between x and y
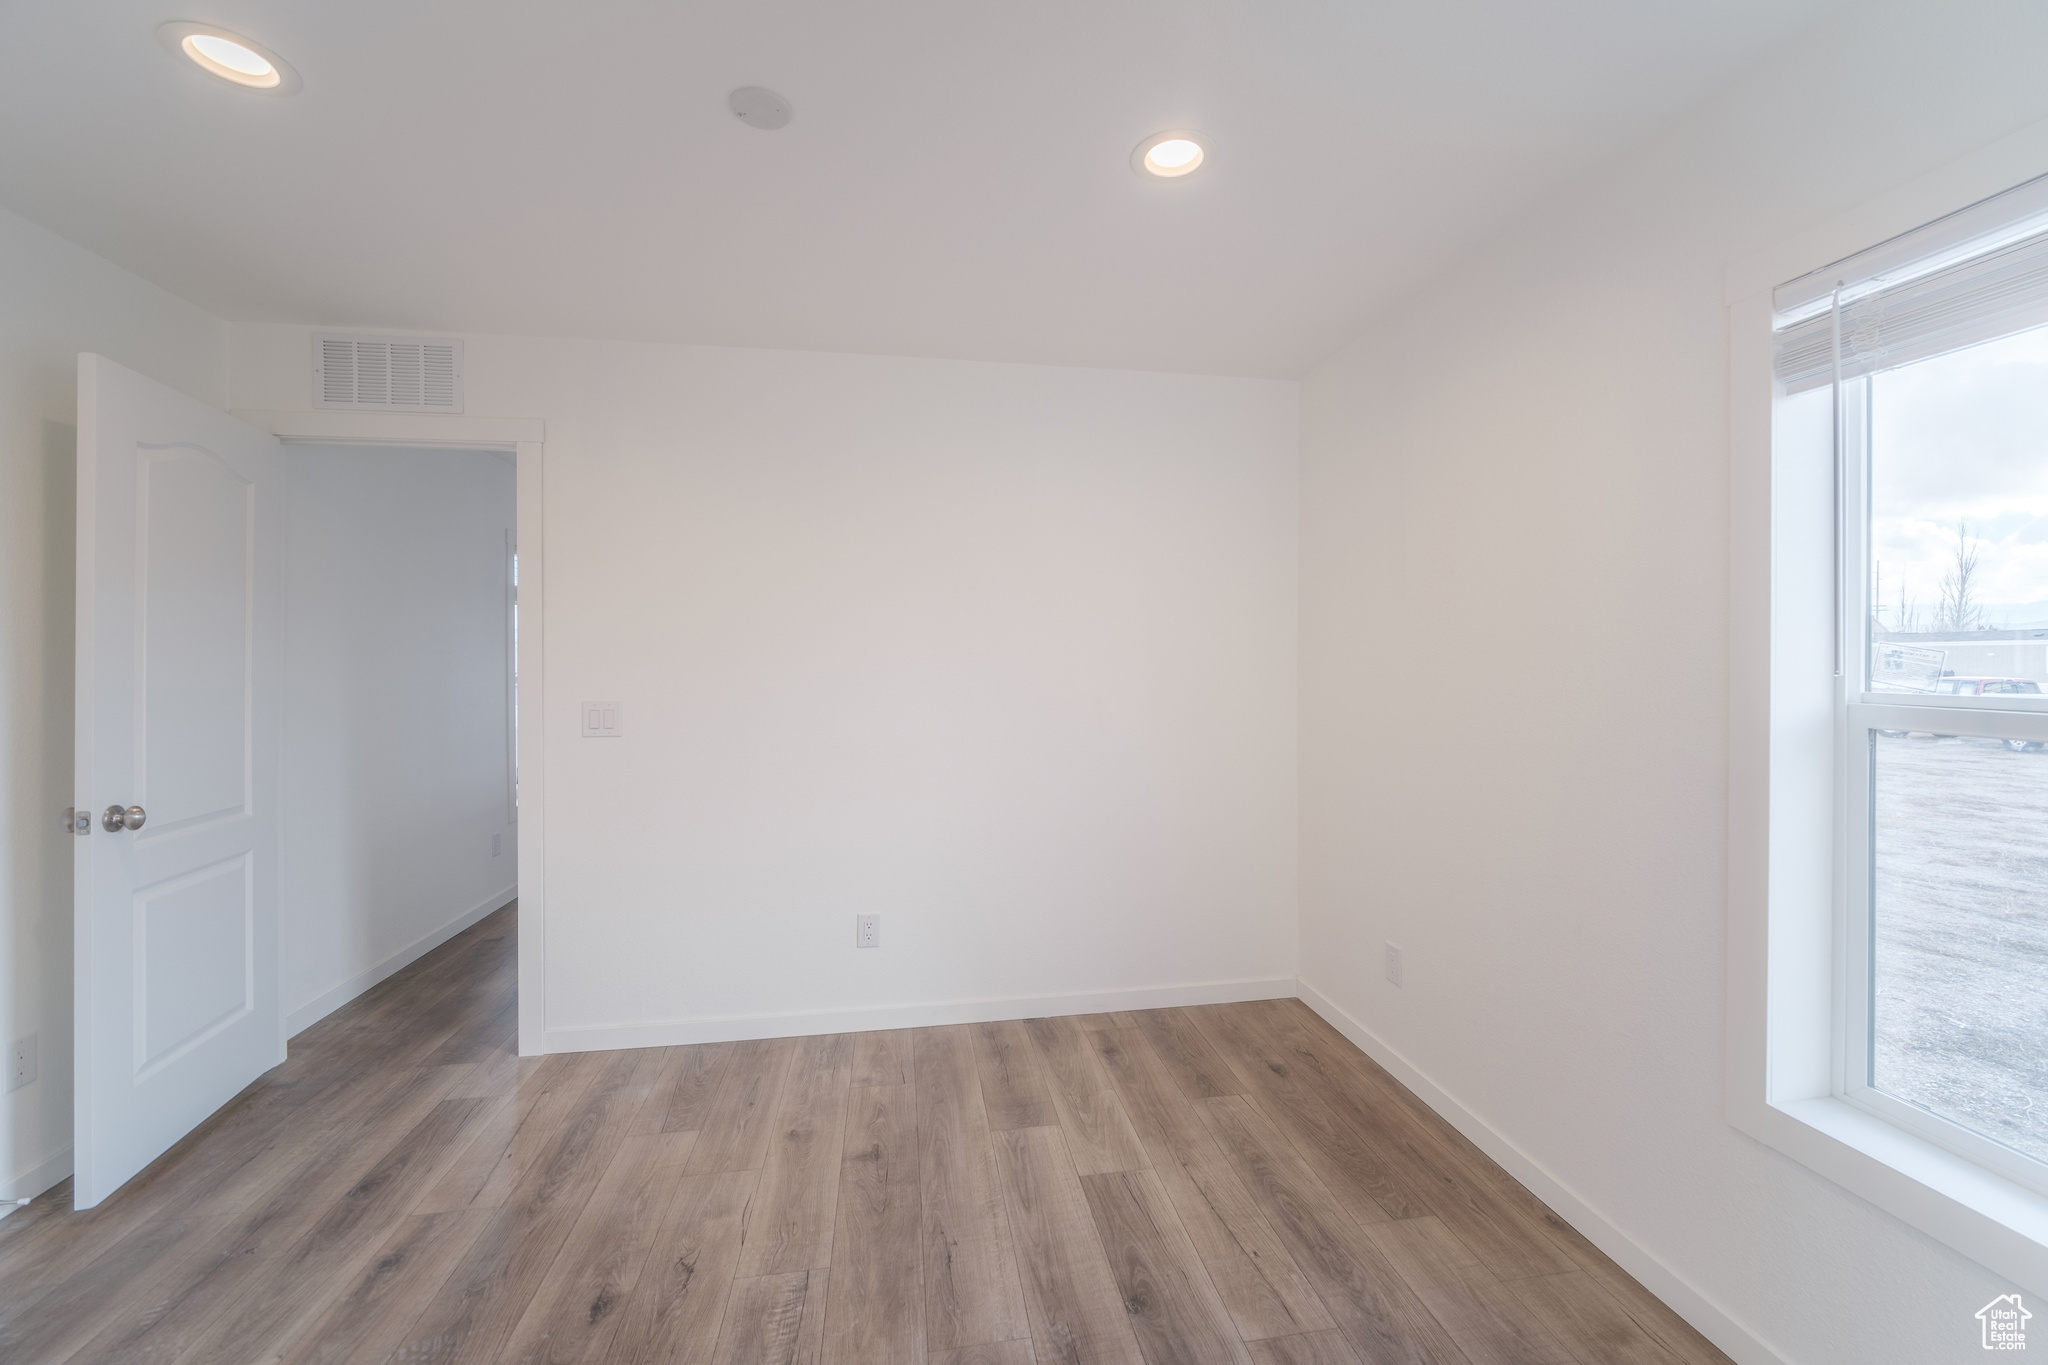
1962, 439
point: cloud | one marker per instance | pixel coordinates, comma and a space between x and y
1962, 440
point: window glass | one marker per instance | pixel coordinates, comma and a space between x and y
1959, 508
1960, 933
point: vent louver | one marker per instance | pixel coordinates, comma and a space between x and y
387, 374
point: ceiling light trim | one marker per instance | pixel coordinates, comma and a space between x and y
1146, 170
173, 34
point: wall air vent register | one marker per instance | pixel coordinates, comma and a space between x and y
387, 374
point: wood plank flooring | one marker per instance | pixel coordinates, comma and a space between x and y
1226, 1185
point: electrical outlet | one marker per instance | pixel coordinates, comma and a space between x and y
868, 932
497, 844
25, 1066
1393, 964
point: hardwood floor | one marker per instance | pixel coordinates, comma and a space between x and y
1226, 1185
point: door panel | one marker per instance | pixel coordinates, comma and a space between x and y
195, 541
179, 632
195, 964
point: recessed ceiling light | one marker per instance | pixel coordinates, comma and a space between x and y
1170, 155
231, 57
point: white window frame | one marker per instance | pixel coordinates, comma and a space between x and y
1859, 712
1796, 998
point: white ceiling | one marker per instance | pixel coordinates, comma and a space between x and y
955, 183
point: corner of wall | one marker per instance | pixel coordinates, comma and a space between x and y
1686, 1299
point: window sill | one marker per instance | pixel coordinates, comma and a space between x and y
1992, 1220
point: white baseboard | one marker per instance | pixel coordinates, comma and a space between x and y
725, 1028
1688, 1302
306, 1015
36, 1179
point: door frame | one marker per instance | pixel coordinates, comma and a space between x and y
526, 437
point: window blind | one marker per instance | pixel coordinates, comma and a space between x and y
1984, 226
1992, 294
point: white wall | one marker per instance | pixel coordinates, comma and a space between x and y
1003, 653
1530, 460
56, 300
397, 712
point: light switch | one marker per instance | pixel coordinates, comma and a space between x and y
601, 720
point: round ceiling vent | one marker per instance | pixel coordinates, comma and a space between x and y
758, 108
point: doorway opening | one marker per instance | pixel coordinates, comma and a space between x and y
400, 710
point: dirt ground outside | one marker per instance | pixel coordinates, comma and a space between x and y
1961, 900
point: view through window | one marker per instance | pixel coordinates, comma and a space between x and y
1958, 836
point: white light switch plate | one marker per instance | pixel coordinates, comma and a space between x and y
601, 720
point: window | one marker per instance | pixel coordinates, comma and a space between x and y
1888, 967
1934, 381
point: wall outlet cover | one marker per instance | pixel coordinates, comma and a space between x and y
25, 1061
867, 932
1393, 965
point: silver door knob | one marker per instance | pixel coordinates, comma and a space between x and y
116, 819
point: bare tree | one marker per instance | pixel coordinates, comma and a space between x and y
1909, 612
1905, 615
1961, 607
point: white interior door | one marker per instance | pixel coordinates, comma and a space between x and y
179, 630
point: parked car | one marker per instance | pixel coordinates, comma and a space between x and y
1993, 687
1987, 687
